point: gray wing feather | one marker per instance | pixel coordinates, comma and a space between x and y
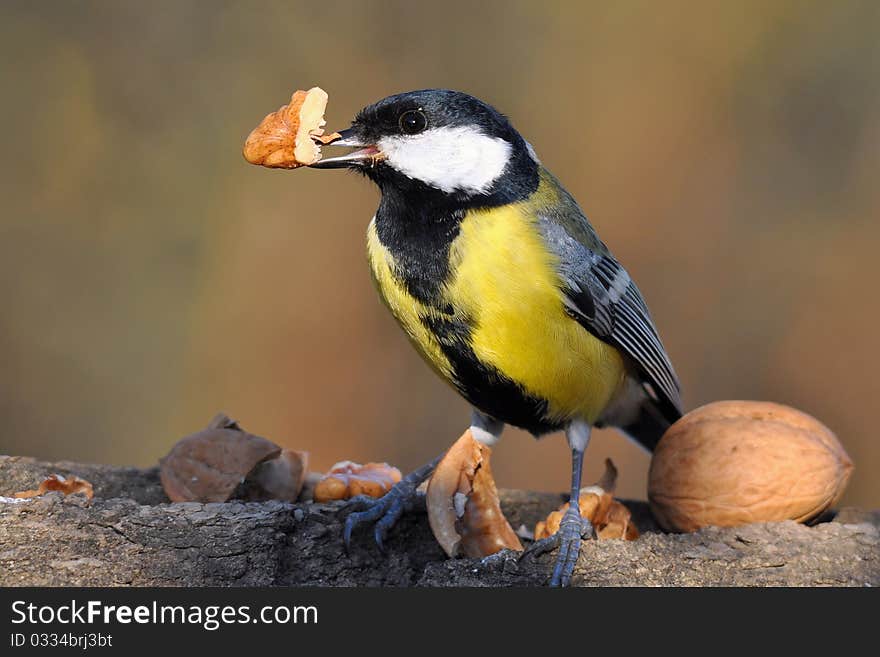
602, 297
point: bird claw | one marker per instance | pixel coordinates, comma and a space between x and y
384, 511
540, 547
572, 529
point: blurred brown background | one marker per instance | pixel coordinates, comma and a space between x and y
728, 152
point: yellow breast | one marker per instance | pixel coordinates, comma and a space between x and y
505, 279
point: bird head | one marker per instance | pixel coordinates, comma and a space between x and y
438, 142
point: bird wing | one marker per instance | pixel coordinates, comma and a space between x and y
600, 295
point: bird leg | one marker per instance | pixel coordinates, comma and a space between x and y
386, 510
573, 527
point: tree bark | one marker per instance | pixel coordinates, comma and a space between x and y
129, 534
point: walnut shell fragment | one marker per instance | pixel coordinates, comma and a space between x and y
463, 506
617, 523
70, 485
610, 518
207, 466
287, 137
347, 479
279, 478
311, 479
735, 462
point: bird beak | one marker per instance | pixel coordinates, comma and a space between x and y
366, 155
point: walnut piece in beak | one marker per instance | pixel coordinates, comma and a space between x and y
288, 138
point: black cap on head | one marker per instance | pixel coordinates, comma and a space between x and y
442, 107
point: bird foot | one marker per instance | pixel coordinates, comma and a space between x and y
384, 511
572, 529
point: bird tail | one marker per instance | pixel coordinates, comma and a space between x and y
650, 422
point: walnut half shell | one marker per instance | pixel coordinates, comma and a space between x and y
463, 506
209, 465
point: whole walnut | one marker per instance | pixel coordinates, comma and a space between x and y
735, 462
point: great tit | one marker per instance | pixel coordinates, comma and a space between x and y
505, 289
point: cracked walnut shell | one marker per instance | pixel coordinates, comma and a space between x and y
463, 506
209, 465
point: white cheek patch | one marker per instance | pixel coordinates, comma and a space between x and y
450, 159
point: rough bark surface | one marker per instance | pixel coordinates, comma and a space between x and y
129, 534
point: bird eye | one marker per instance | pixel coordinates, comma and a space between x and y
413, 122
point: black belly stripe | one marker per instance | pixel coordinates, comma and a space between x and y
485, 387
418, 224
